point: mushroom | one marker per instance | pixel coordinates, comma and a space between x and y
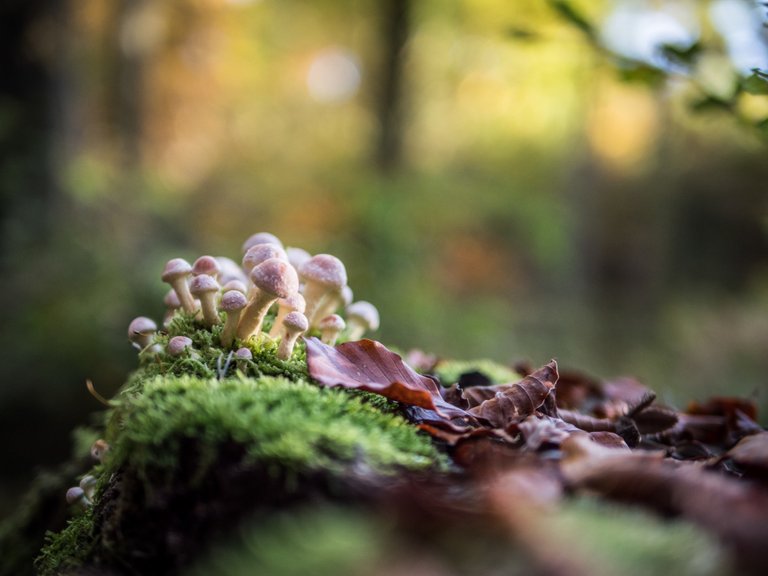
242, 357
261, 238
76, 497
273, 279
99, 449
175, 274
178, 345
232, 303
330, 328
234, 285
333, 302
294, 324
141, 331
323, 276
206, 265
297, 256
171, 301
205, 288
88, 485
229, 270
362, 316
259, 253
294, 303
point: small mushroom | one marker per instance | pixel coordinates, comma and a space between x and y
323, 276
76, 497
261, 238
294, 324
205, 288
206, 265
88, 485
232, 303
242, 357
362, 316
175, 273
330, 328
141, 332
273, 279
178, 345
297, 256
333, 302
171, 301
234, 285
99, 450
229, 270
260, 253
294, 303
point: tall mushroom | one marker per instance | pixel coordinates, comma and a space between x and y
232, 303
294, 324
229, 270
261, 238
362, 316
273, 279
324, 276
333, 302
175, 273
294, 303
330, 328
260, 253
205, 288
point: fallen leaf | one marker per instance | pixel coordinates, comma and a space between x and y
751, 452
509, 403
369, 365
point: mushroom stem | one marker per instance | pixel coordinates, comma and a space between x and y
181, 288
294, 325
253, 315
230, 328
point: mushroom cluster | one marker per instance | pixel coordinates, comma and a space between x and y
300, 293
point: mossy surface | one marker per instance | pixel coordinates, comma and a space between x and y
449, 371
66, 551
292, 424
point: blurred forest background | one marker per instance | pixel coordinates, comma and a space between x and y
510, 180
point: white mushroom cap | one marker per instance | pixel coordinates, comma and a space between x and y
76, 495
178, 344
234, 285
330, 328
275, 277
324, 269
206, 265
296, 321
171, 300
203, 284
365, 312
261, 238
260, 253
297, 256
229, 270
232, 301
347, 295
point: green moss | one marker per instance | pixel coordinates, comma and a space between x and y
66, 551
449, 371
632, 542
292, 424
314, 541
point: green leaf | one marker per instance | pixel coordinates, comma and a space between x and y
757, 83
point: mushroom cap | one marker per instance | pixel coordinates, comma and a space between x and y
171, 299
297, 256
178, 344
347, 295
75, 494
365, 312
275, 277
229, 270
206, 265
332, 322
203, 284
244, 354
261, 238
233, 301
295, 303
141, 326
176, 268
324, 269
260, 253
234, 285
296, 322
